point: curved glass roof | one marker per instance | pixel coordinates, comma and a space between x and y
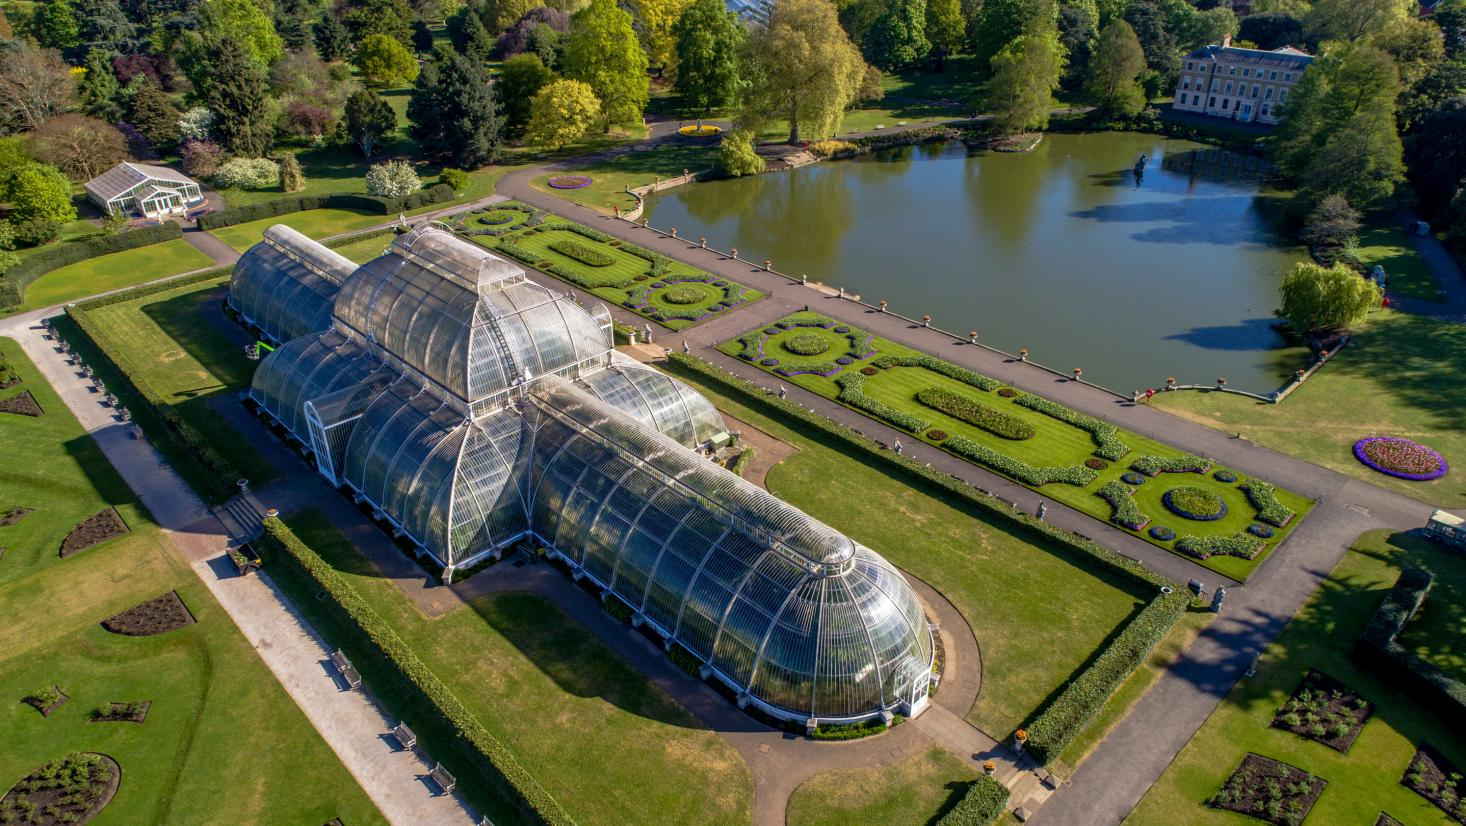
656, 400
286, 284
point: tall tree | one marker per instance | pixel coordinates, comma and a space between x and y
602, 51
560, 113
153, 114
657, 17
996, 24
244, 22
453, 111
97, 90
1271, 31
1352, 19
1326, 298
293, 22
1114, 76
332, 39
498, 15
470, 37
38, 192
368, 119
945, 26
235, 90
1148, 21
1450, 15
35, 84
104, 25
54, 26
1445, 80
79, 146
1020, 93
1415, 45
1438, 156
709, 39
521, 78
897, 39
803, 68
383, 61
1077, 34
392, 18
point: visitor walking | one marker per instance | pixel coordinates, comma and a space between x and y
1042, 509
897, 447
685, 348
782, 392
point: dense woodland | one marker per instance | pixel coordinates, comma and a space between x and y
236, 90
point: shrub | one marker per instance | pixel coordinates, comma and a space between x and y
1132, 478
393, 179
996, 422
1095, 463
1022, 471
1378, 648
1125, 512
684, 295
36, 232
455, 178
1195, 503
375, 636
854, 731
1185, 463
247, 173
434, 194
1162, 533
196, 124
852, 392
1202, 547
1225, 476
983, 803
1106, 436
936, 365
805, 344
741, 462
832, 148
586, 255
33, 266
1264, 497
1261, 531
200, 158
737, 156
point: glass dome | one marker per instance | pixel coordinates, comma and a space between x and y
286, 284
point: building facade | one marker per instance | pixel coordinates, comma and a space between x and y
471, 409
151, 191
1244, 85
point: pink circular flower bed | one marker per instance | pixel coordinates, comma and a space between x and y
1400, 458
570, 182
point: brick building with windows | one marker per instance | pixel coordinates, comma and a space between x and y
1245, 85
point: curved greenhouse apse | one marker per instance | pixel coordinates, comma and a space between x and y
1060, 249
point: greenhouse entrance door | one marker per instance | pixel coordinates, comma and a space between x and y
320, 448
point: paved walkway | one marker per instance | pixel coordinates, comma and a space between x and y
209, 245
349, 721
1449, 277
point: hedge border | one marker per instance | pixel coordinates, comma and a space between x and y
1377, 646
983, 803
1107, 441
14, 281
1054, 727
524, 790
435, 194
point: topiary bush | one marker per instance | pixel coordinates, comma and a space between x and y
983, 803
996, 422
584, 254
1195, 503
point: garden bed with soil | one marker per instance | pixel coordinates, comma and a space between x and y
21, 404
1270, 790
94, 530
1434, 778
129, 712
1325, 710
47, 700
72, 790
12, 516
156, 616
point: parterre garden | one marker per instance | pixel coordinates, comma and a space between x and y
1178, 501
669, 292
1320, 734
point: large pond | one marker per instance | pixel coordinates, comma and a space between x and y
1064, 249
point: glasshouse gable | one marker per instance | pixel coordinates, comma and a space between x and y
473, 409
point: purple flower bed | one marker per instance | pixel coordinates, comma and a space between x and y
769, 362
570, 182
1226, 476
1262, 531
1133, 478
1162, 533
1400, 458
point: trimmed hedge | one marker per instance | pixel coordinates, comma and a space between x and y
946, 368
151, 289
1108, 444
1378, 649
1242, 545
1263, 497
743, 460
996, 422
563, 273
1062, 719
37, 264
852, 392
586, 255
376, 636
435, 194
1126, 513
1031, 475
984, 802
1185, 463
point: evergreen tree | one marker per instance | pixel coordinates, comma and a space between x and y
332, 40
1450, 15
292, 179
898, 37
1114, 77
422, 36
54, 26
98, 89
236, 91
603, 52
1162, 54
521, 78
453, 111
292, 23
368, 119
709, 38
153, 114
471, 39
103, 25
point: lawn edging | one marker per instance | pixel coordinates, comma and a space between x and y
17, 278
984, 802
456, 723
1378, 649
435, 194
1065, 716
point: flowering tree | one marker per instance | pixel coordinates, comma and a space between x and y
393, 179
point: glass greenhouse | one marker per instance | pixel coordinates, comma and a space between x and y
473, 408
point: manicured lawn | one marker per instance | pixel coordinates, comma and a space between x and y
365, 250
608, 745
1438, 631
1003, 583
69, 231
611, 177
676, 299
1052, 444
1397, 378
314, 223
914, 792
113, 272
1366, 780
1405, 270
222, 742
181, 343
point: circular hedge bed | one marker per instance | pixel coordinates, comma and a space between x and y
683, 295
1400, 458
1195, 503
1226, 476
1263, 531
1133, 478
805, 344
936, 435
1162, 533
1095, 463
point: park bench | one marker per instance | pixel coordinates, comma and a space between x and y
444, 780
348, 671
404, 736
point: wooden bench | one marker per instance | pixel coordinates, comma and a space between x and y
404, 736
444, 780
348, 671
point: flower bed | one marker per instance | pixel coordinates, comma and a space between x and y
1261, 531
72, 789
1106, 436
1432, 776
1225, 476
852, 392
1162, 533
704, 130
1125, 512
937, 435
936, 365
1195, 503
1133, 478
1096, 463
805, 344
1325, 710
1264, 497
996, 422
664, 300
1400, 458
584, 254
1185, 463
1022, 471
1270, 790
570, 182
752, 346
683, 295
1202, 547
